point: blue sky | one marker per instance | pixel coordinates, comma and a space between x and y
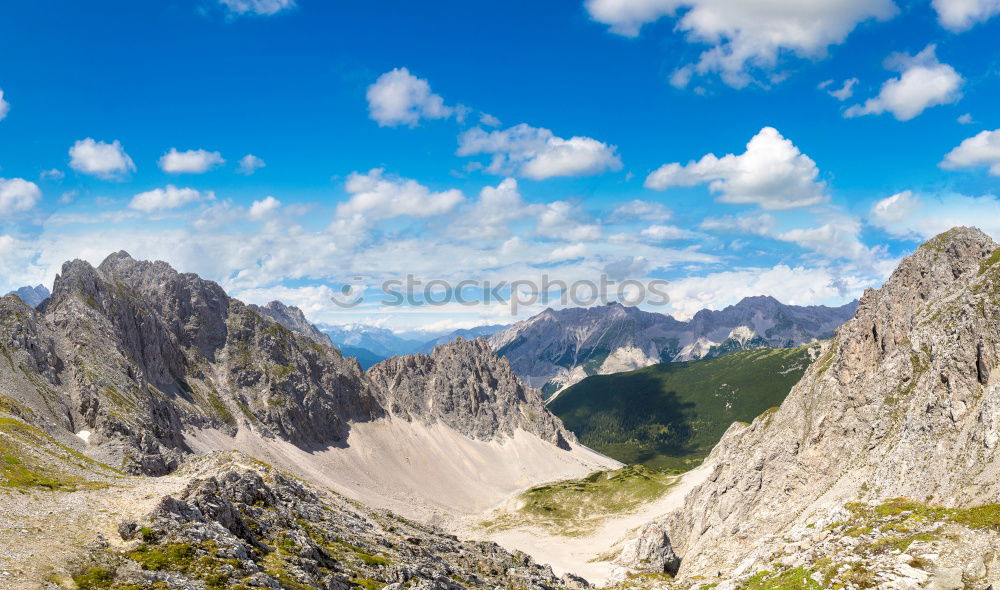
497, 140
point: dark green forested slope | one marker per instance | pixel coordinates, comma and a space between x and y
671, 415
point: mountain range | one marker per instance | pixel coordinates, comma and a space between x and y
157, 433
558, 348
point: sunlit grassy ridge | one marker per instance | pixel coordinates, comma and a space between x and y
578, 506
671, 415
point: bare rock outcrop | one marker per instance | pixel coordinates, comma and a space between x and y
467, 387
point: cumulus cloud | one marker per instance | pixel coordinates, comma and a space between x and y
400, 98
840, 237
760, 225
907, 215
639, 210
662, 233
496, 208
257, 7
960, 15
537, 153
17, 195
249, 164
772, 173
489, 120
845, 91
982, 149
964, 119
894, 209
261, 210
376, 196
4, 106
923, 82
162, 199
103, 160
568, 252
561, 220
744, 34
190, 161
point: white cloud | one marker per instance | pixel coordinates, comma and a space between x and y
4, 106
568, 252
190, 161
760, 225
375, 196
97, 158
562, 221
840, 237
982, 149
161, 199
745, 34
960, 15
964, 119
496, 208
923, 82
844, 92
257, 7
907, 215
249, 164
489, 120
638, 210
662, 233
771, 173
537, 153
17, 195
261, 210
400, 98
51, 173
894, 209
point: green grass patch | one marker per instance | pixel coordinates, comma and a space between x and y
578, 506
30, 458
671, 415
791, 579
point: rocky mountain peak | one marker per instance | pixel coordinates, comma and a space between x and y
903, 402
464, 385
294, 319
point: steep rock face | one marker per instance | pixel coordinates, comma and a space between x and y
555, 349
903, 402
465, 386
141, 353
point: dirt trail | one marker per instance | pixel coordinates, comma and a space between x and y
42, 532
